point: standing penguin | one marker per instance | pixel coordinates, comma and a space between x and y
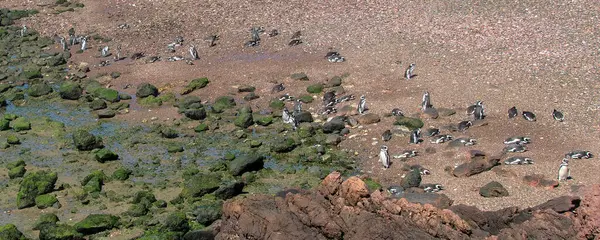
512, 112
408, 74
415, 136
286, 116
63, 44
362, 104
83, 43
564, 172
558, 116
479, 113
384, 156
426, 103
297, 107
471, 109
193, 52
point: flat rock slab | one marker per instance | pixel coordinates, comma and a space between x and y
539, 180
368, 118
475, 167
440, 201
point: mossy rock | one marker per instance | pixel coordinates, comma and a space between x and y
207, 213
93, 182
306, 99
246, 163
104, 155
137, 210
200, 184
265, 120
223, 102
45, 201
150, 101
168, 132
315, 88
18, 163
283, 145
189, 102
33, 185
372, 185
39, 89
146, 90
195, 85
246, 88
10, 116
98, 104
59, 232
20, 124
175, 148
408, 122
300, 76
45, 218
121, 174
145, 198
306, 130
16, 172
70, 91
229, 156
10, 232
276, 104
177, 222
95, 223
160, 204
201, 127
31, 74
13, 139
244, 118
85, 141
195, 114
4, 125
107, 94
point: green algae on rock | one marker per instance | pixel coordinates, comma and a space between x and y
85, 141
95, 223
45, 201
33, 185
195, 84
10, 232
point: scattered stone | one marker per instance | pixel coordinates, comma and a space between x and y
93, 182
306, 99
195, 85
493, 189
246, 163
222, 103
177, 222
539, 180
412, 179
33, 185
251, 96
169, 133
58, 232
39, 89
444, 112
95, 223
13, 139
175, 148
45, 201
333, 139
432, 113
16, 169
334, 125
315, 88
98, 104
264, 120
244, 118
334, 82
276, 104
45, 218
200, 184
121, 174
107, 114
300, 76
104, 155
368, 118
10, 232
279, 145
145, 90
304, 117
408, 122
561, 204
85, 141
107, 94
246, 88
201, 127
229, 190
20, 124
475, 166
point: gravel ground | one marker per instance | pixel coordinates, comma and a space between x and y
536, 55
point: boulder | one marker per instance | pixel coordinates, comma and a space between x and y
244, 118
95, 223
283, 145
20, 124
246, 88
304, 116
195, 114
476, 166
45, 201
223, 102
334, 125
539, 180
106, 94
33, 185
229, 190
145, 90
94, 181
177, 222
299, 76
246, 163
121, 174
411, 179
45, 218
104, 155
315, 88
195, 84
98, 104
85, 141
408, 122
208, 213
369, 118
200, 184
10, 232
39, 89
59, 232
493, 189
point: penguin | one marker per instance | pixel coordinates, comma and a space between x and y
432, 132
517, 140
118, 56
479, 112
579, 155
386, 136
296, 35
23, 31
471, 109
406, 154
362, 104
297, 107
256, 31
295, 42
518, 161
63, 44
286, 116
512, 112
286, 97
328, 110
426, 103
175, 58
558, 116
384, 156
294, 122
273, 33
420, 169
334, 57
104, 51
415, 136
463, 141
83, 43
397, 112
464, 125
329, 99
441, 139
564, 172
252, 43
193, 52
212, 40
529, 116
408, 74
395, 190
277, 88
178, 40
515, 148
345, 98
431, 187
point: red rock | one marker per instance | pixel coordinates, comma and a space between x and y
353, 190
539, 180
476, 166
588, 214
331, 183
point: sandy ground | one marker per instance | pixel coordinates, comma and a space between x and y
536, 55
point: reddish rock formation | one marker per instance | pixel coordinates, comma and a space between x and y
346, 210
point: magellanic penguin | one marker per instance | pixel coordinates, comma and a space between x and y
432, 132
406, 154
297, 107
479, 112
362, 104
386, 136
345, 98
579, 155
441, 139
286, 116
193, 52
515, 148
512, 112
564, 172
83, 43
415, 136
464, 125
431, 187
397, 112
277, 88
104, 51
517, 140
408, 74
384, 156
529, 116
558, 116
426, 103
63, 44
518, 161
471, 109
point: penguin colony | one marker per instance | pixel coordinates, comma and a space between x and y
515, 144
